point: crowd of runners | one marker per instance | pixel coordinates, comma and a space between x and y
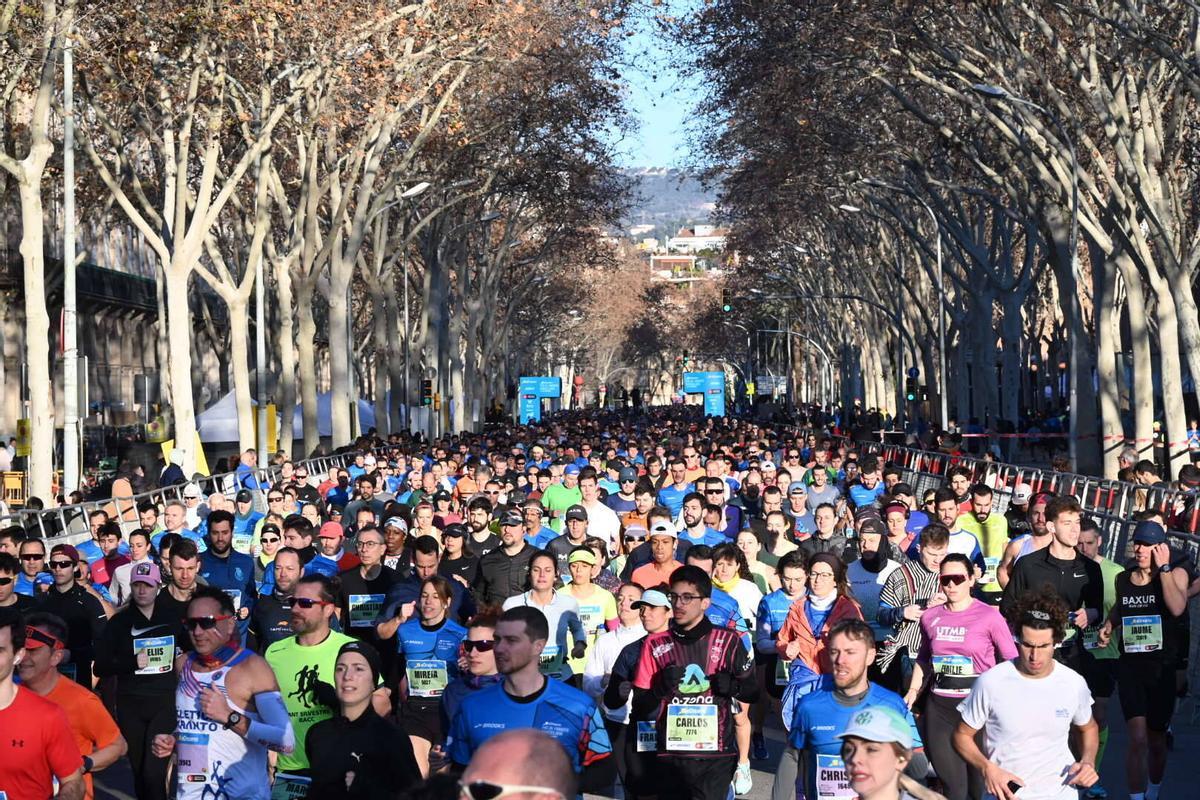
616, 605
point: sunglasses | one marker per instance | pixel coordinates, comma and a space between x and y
275, 498
62, 564
32, 557
269, 539
952, 580
6, 581
205, 623
482, 645
634, 539
486, 790
307, 602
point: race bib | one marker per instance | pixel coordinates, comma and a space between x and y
290, 787
832, 781
426, 678
236, 596
647, 737
191, 757
592, 618
782, 667
241, 542
692, 729
549, 663
160, 653
1091, 637
954, 666
990, 565
1142, 634
364, 608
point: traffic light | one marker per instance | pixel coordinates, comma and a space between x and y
911, 389
726, 302
427, 392
686, 359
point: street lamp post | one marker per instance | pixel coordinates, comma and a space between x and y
1002, 94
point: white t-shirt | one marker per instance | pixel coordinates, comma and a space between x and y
866, 586
603, 523
1026, 722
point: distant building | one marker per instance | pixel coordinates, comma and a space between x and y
638, 230
648, 244
696, 239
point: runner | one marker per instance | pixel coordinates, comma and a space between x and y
905, 595
272, 616
876, 772
300, 662
10, 569
96, 735
597, 606
1037, 538
476, 670
1028, 708
695, 674
561, 612
428, 645
868, 574
36, 751
962, 638
1150, 596
823, 714
503, 572
991, 531
802, 638
663, 547
141, 647
526, 698
362, 589
71, 601
772, 670
228, 710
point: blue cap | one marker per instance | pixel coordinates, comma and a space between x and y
1149, 532
571, 469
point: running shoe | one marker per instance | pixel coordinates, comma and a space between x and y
758, 747
742, 780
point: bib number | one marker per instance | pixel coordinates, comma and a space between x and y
990, 565
241, 542
954, 666
191, 757
1142, 634
290, 787
549, 663
832, 781
1091, 638
692, 729
647, 737
426, 678
159, 654
364, 608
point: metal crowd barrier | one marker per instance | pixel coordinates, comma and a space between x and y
72, 520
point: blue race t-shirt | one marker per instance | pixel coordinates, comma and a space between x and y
672, 498
430, 656
560, 711
818, 720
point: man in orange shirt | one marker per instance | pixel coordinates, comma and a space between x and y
663, 539
96, 734
643, 499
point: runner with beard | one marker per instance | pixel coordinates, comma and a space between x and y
1026, 543
992, 532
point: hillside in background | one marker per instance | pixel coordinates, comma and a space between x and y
668, 198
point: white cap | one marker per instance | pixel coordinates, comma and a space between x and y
663, 528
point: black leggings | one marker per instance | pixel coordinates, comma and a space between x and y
140, 719
959, 779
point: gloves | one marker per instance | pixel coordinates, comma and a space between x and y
722, 684
579, 650
671, 675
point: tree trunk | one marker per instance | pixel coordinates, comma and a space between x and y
287, 358
1107, 335
306, 349
1174, 415
179, 336
339, 364
1141, 391
239, 350
384, 344
37, 338
398, 408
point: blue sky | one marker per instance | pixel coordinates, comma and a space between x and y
661, 101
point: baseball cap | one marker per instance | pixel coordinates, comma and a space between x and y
627, 474
636, 530
514, 518
191, 490
871, 525
65, 550
269, 527
146, 572
1149, 532
396, 522
577, 512
902, 489
797, 487
441, 494
454, 529
244, 496
664, 528
571, 469
767, 466
879, 724
330, 530
1021, 494
586, 556
651, 597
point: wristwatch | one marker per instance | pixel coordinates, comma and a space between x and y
1165, 568
88, 764
234, 719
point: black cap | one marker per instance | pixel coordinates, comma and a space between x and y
369, 653
577, 512
1149, 532
269, 527
441, 494
902, 488
244, 496
454, 529
513, 517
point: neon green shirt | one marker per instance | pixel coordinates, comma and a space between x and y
298, 669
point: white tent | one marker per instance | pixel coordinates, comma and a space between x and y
219, 422
366, 416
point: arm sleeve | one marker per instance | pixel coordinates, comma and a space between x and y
274, 730
575, 626
764, 640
